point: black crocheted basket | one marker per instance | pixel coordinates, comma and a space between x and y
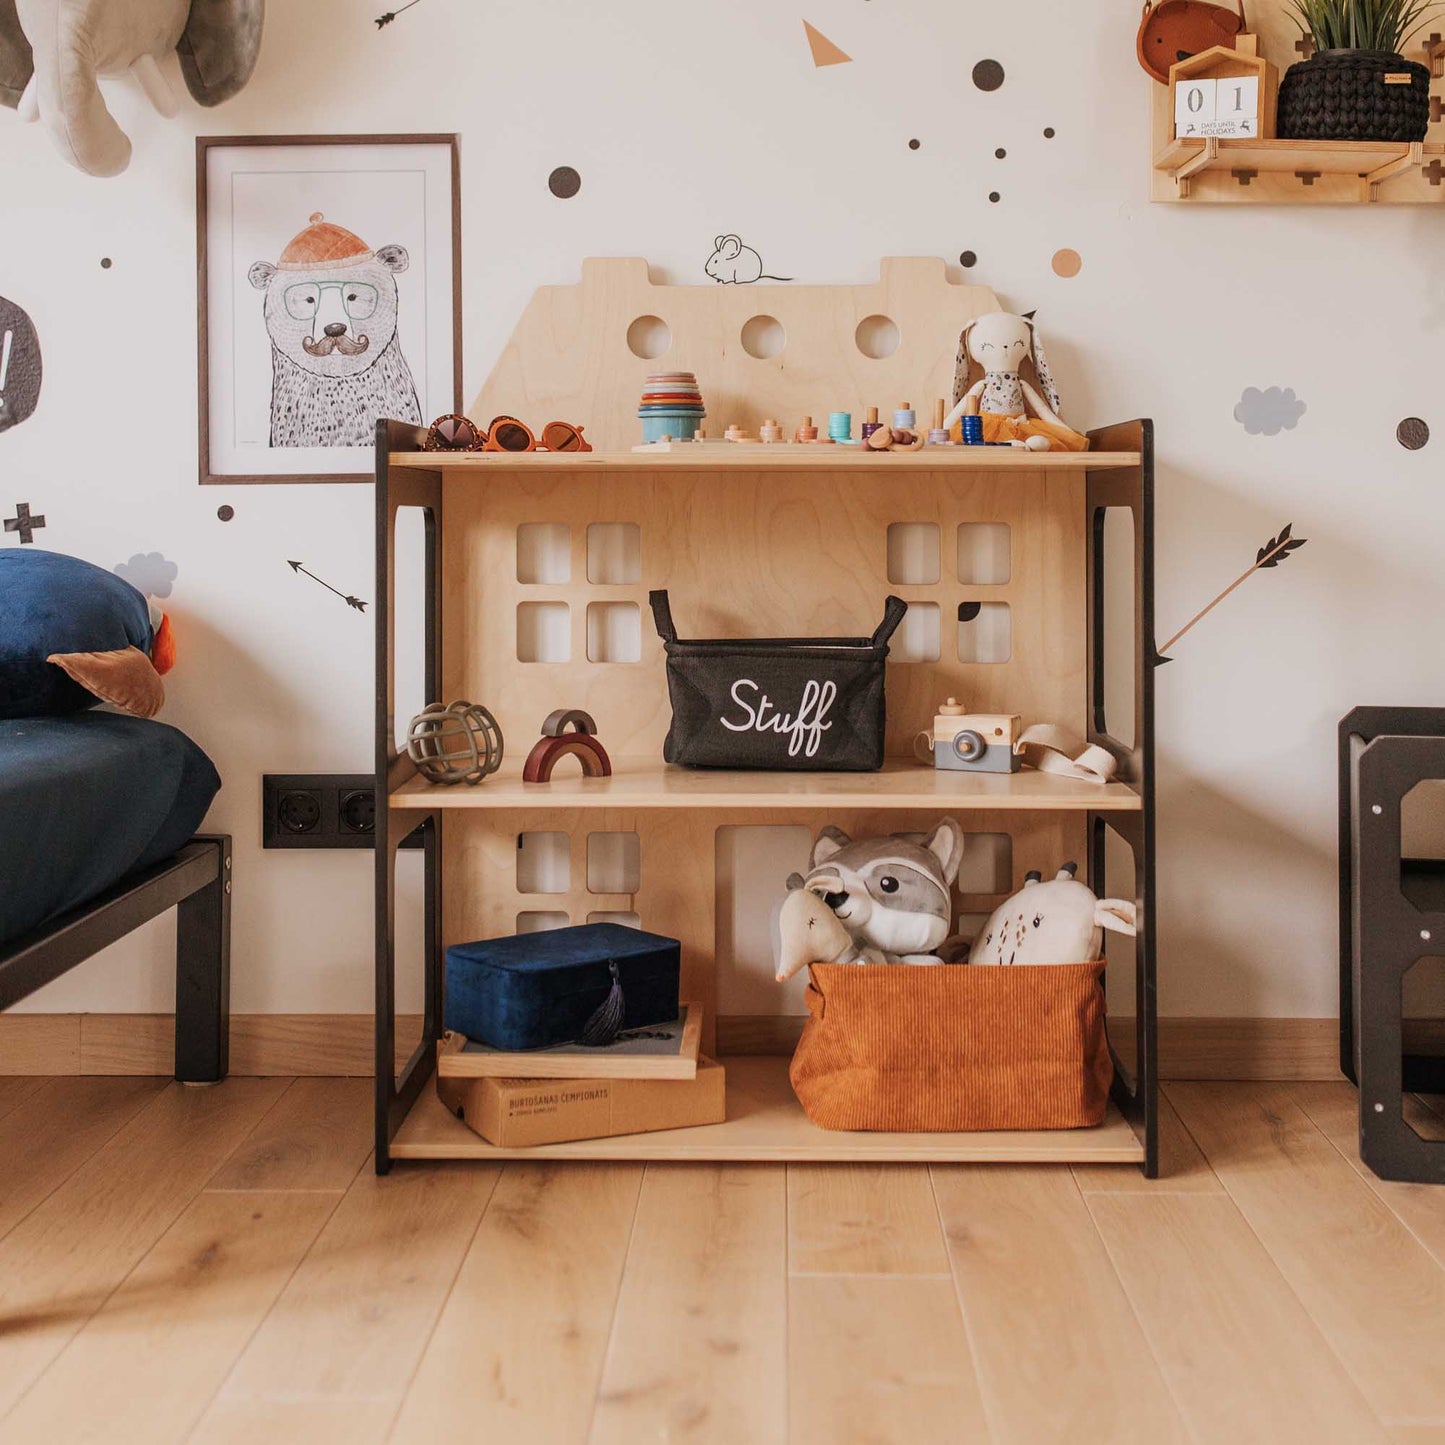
1342, 95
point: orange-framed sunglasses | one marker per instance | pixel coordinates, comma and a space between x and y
507, 434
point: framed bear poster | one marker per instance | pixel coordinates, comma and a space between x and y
329, 274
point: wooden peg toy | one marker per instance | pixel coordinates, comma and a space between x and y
807, 432
938, 436
870, 424
770, 431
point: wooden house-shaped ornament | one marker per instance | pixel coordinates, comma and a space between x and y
1225, 93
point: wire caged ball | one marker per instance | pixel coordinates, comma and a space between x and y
458, 743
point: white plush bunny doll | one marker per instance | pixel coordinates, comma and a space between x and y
997, 355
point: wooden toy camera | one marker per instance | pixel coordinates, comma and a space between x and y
974, 742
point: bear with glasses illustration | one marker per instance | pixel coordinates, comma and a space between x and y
336, 359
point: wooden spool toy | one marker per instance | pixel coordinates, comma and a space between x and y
557, 743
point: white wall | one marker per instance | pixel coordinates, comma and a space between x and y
687, 120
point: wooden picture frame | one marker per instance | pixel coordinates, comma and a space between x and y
230, 445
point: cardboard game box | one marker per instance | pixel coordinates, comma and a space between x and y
519, 1113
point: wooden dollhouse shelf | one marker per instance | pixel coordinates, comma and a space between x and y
1364, 165
766, 1123
649, 783
784, 457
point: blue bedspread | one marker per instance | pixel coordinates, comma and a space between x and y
86, 799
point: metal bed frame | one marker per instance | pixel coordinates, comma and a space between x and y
196, 881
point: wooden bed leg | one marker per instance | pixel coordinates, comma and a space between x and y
203, 975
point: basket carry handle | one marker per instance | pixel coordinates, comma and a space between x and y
894, 611
662, 615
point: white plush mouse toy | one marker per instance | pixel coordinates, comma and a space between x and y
1056, 922
1000, 374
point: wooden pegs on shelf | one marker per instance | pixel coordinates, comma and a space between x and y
1308, 178
1434, 49
1305, 45
1243, 174
1433, 172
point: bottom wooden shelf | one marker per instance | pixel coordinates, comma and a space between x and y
765, 1122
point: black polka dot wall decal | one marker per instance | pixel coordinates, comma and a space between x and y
988, 75
225, 513
106, 263
564, 183
967, 258
914, 144
1048, 132
1412, 433
994, 197
999, 154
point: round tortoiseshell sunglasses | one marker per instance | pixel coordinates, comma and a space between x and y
454, 433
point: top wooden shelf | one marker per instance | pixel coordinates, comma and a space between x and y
1366, 165
758, 457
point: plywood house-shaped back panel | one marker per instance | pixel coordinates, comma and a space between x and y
569, 359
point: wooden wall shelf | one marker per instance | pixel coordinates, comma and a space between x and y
784, 457
1297, 172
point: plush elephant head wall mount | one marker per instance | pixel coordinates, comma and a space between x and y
52, 53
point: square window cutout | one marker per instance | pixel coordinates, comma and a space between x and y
614, 553
544, 863
985, 632
985, 552
917, 638
627, 920
913, 550
987, 863
544, 552
614, 632
614, 863
544, 632
541, 921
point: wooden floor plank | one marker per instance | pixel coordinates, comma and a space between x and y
59, 1264
863, 1219
317, 1137
699, 1345
879, 1359
15, 1089
53, 1132
349, 1328
518, 1351
1334, 1108
145, 1367
1182, 1165
1058, 1351
1242, 1357
1367, 1282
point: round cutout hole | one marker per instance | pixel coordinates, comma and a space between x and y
763, 337
877, 337
648, 337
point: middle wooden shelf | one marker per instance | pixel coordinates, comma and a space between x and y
650, 783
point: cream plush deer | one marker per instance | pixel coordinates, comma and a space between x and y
1056, 922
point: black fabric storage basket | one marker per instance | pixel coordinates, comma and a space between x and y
780, 703
1343, 95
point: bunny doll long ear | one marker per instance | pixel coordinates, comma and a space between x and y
960, 366
1041, 367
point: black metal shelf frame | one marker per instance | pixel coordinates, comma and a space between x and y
1130, 488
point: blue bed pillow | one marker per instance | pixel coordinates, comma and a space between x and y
53, 603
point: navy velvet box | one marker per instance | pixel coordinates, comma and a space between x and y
535, 990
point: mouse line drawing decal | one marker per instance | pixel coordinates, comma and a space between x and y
734, 264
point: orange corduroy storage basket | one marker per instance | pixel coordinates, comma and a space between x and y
943, 1049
